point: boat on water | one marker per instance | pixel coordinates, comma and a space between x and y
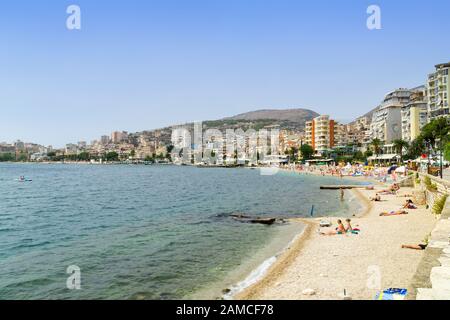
23, 179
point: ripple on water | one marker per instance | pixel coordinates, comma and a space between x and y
141, 232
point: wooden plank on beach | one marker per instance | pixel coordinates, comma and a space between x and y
337, 187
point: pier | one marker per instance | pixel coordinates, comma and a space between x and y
338, 187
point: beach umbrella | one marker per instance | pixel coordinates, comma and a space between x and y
391, 169
401, 169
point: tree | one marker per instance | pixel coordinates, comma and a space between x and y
399, 146
416, 148
7, 157
447, 151
435, 134
307, 151
84, 156
292, 152
376, 145
112, 156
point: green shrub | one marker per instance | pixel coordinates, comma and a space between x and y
429, 184
439, 204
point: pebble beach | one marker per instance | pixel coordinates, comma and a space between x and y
350, 266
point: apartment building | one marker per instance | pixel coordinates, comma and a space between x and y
357, 132
118, 137
386, 120
438, 91
322, 133
414, 114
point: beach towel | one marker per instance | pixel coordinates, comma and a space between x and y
392, 294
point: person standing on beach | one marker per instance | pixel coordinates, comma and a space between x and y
342, 194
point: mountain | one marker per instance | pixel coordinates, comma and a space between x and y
293, 115
289, 119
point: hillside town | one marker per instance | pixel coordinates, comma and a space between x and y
388, 134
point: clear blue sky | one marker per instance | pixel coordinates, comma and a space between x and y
139, 65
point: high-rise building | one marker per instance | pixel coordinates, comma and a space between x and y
414, 114
322, 133
104, 140
438, 91
117, 136
386, 119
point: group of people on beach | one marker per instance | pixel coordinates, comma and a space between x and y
340, 229
409, 204
349, 170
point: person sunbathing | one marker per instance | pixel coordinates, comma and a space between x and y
392, 189
331, 232
409, 204
414, 246
376, 198
393, 213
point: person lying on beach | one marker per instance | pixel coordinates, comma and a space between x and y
393, 213
376, 198
331, 232
387, 193
392, 189
409, 204
414, 246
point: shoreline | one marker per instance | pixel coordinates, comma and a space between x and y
288, 254
300, 267
286, 258
283, 259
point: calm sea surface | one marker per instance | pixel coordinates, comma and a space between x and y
144, 232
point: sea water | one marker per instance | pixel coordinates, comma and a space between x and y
145, 232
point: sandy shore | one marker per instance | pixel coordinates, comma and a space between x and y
330, 264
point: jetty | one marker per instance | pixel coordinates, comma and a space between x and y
338, 187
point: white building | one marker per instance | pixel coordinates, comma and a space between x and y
438, 91
414, 114
386, 120
323, 133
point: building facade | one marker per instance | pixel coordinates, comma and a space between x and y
323, 133
438, 91
386, 120
414, 114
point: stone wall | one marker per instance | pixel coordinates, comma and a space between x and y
432, 278
443, 188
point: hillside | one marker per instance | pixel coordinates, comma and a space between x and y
290, 119
293, 115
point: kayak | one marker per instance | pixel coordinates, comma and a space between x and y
25, 180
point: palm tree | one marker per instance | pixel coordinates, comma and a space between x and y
399, 146
376, 144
